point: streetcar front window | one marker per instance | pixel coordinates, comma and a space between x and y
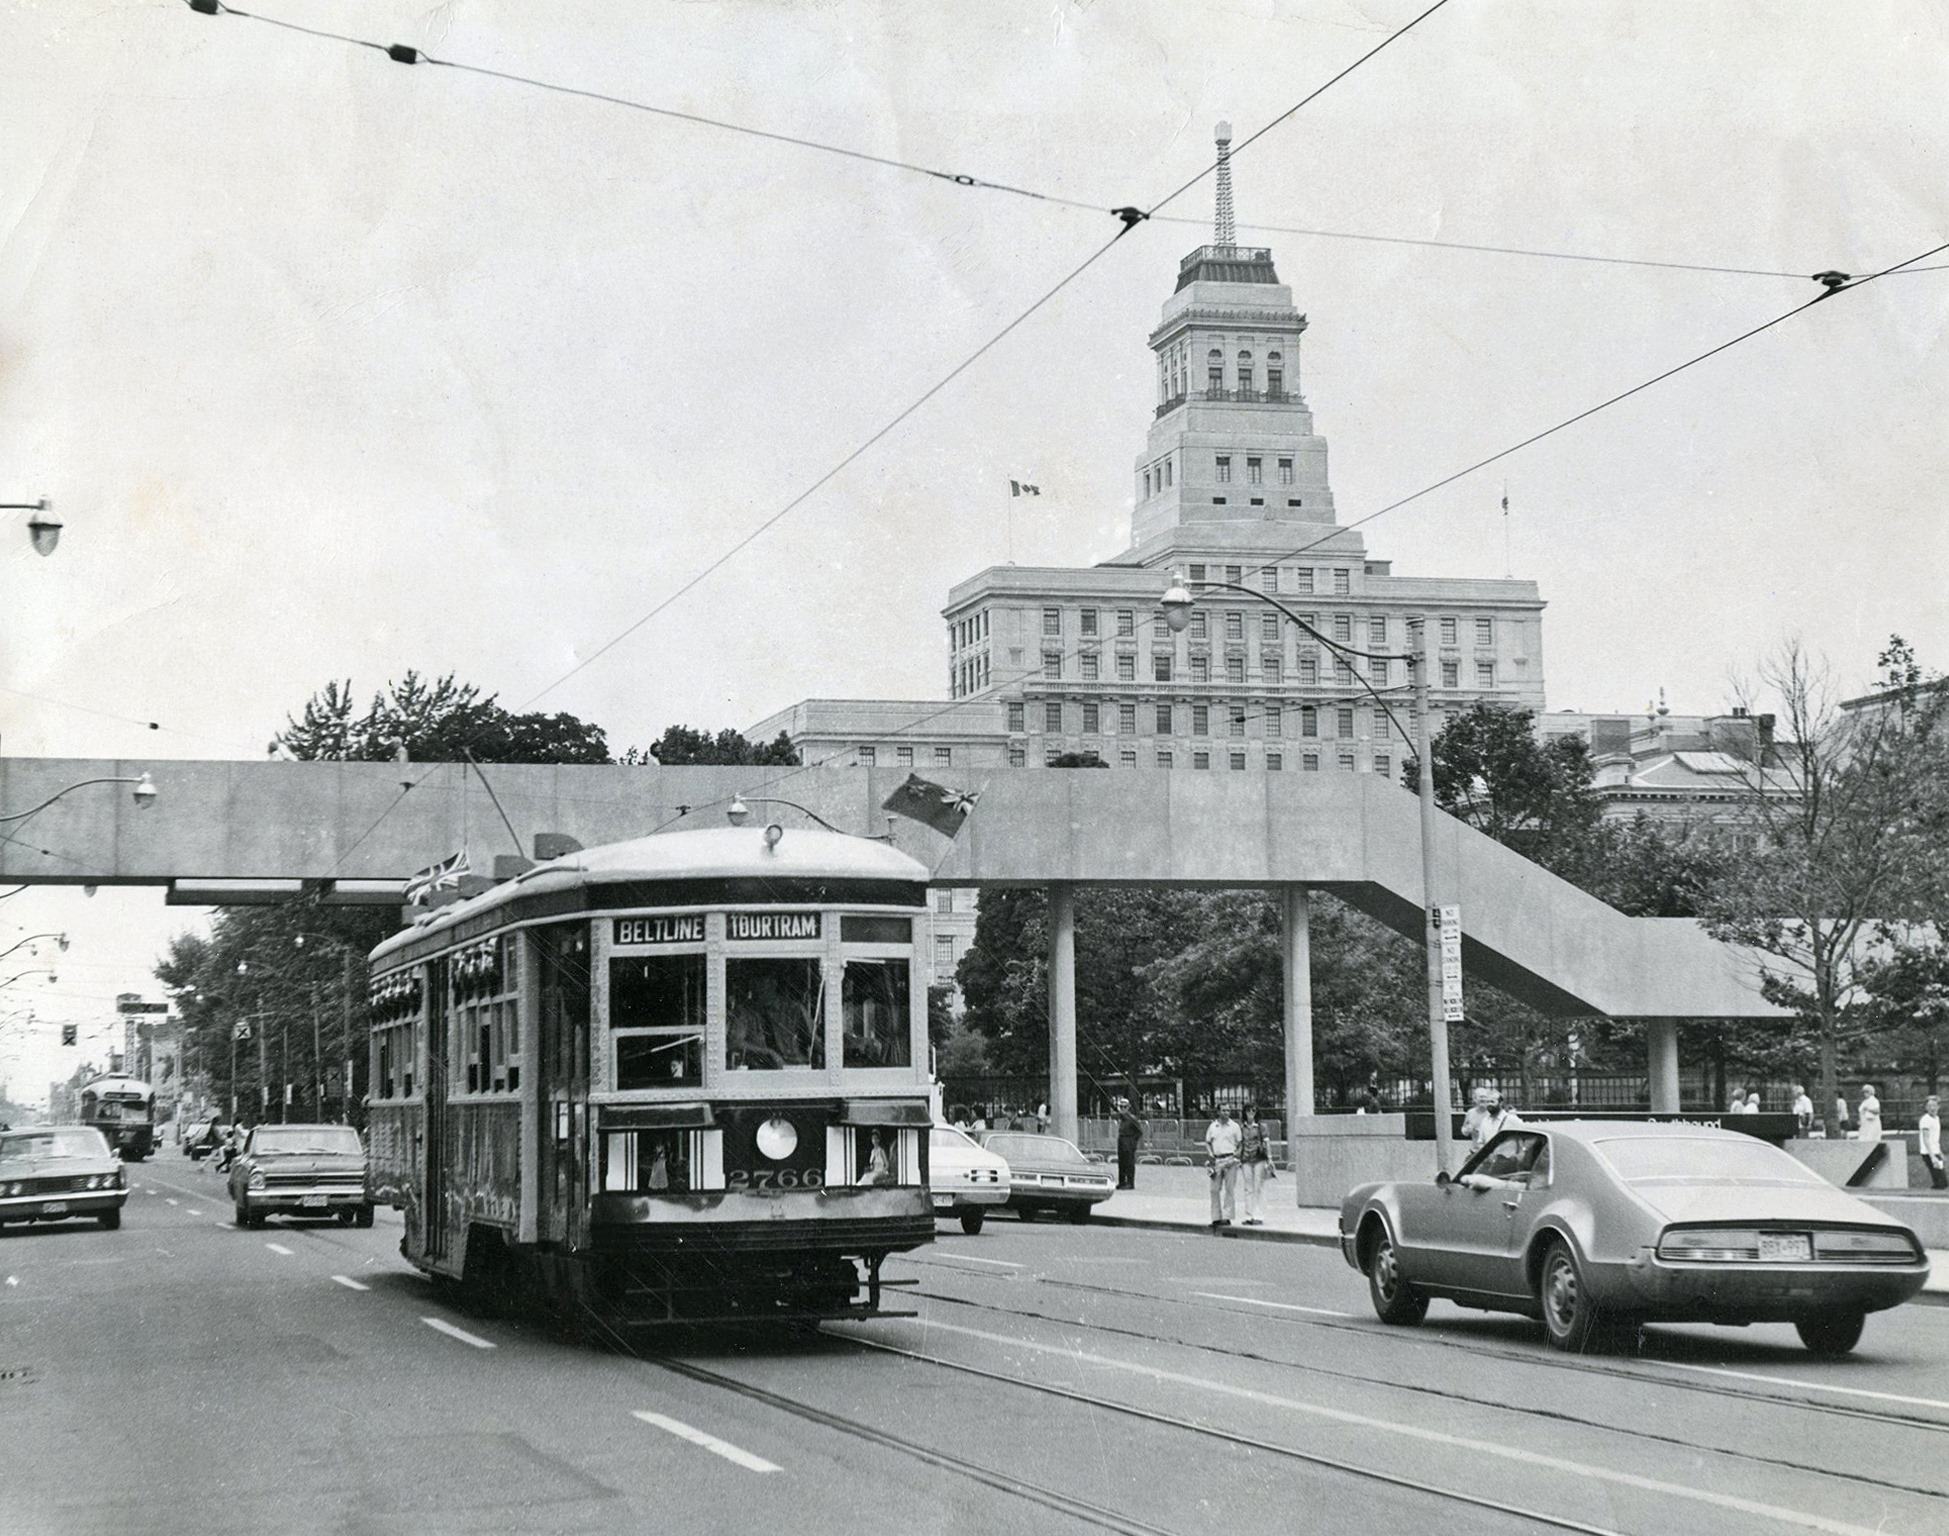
878, 1015
774, 1014
656, 1014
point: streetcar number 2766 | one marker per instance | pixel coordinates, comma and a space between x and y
775, 1178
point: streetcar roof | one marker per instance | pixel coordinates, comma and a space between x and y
711, 853
117, 1083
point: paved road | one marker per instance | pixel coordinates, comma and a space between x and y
181, 1373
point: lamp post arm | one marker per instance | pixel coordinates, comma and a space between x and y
32, 970
26, 941
79, 784
802, 810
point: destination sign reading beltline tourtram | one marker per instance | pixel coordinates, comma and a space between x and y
661, 930
771, 925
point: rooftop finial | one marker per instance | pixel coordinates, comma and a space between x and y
1224, 232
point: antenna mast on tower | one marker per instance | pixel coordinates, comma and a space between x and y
1224, 232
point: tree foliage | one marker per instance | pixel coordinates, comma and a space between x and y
684, 744
441, 720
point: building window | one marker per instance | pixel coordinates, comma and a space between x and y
1091, 720
1343, 628
1377, 631
1448, 631
1052, 717
1015, 720
1088, 665
1224, 469
1271, 666
1126, 623
1381, 724
1342, 581
1169, 477
1197, 573
1343, 722
1346, 762
943, 957
1017, 758
1164, 726
1485, 674
1146, 485
1342, 672
1254, 471
1200, 720
1235, 574
1238, 719
1451, 674
1234, 669
1127, 758
1200, 759
1237, 761
1244, 371
1485, 631
865, 757
1200, 669
1275, 375
1200, 629
1163, 757
1215, 371
1088, 618
1309, 762
1126, 669
1274, 761
1052, 621
1383, 765
904, 756
1269, 628
1258, 501
1309, 721
944, 755
944, 901
1127, 719
1285, 465
1160, 666
1274, 721
1302, 578
1378, 672
1234, 626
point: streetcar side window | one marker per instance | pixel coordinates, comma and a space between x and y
877, 1014
656, 1017
774, 1014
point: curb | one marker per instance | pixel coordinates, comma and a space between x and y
1201, 1229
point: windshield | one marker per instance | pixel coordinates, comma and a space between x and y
340, 1139
1036, 1149
56, 1141
1705, 1160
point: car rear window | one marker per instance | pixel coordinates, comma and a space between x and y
1035, 1149
1640, 1158
300, 1138
947, 1139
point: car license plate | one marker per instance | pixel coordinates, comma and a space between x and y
1786, 1245
54, 1208
943, 1202
312, 1202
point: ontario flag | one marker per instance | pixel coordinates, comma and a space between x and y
1023, 488
932, 805
443, 876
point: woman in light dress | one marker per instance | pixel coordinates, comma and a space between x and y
1867, 1115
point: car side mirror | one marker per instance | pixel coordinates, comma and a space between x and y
1442, 1180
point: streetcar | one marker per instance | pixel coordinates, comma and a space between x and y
123, 1109
679, 1078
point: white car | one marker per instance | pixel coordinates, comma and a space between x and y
964, 1178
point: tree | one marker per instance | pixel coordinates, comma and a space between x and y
682, 744
1848, 827
438, 721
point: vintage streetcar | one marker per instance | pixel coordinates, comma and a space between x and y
123, 1109
673, 1079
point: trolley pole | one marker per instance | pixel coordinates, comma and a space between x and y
1424, 665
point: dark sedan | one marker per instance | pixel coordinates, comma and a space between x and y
301, 1170
1595, 1227
58, 1173
1047, 1173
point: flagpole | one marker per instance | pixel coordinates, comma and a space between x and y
1011, 522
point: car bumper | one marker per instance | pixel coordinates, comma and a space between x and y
1349, 1250
962, 1199
299, 1201
91, 1202
1052, 1196
1756, 1293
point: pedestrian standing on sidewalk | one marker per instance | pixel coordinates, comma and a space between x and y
1472, 1121
1222, 1139
1803, 1110
1130, 1135
1930, 1127
1254, 1163
1867, 1114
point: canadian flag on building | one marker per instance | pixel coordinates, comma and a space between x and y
1023, 488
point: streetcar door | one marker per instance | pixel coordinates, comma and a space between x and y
564, 1098
434, 1233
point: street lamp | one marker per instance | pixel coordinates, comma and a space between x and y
738, 812
59, 938
43, 528
1177, 602
32, 970
145, 793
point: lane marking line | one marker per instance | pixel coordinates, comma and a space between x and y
167, 1201
350, 1284
1283, 1306
440, 1325
196, 1213
279, 1248
1807, 1386
969, 1258
1774, 1514
711, 1443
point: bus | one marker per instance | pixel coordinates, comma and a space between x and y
679, 1078
123, 1109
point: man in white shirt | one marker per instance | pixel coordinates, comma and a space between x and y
1929, 1123
1222, 1138
1803, 1110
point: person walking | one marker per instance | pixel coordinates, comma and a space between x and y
1803, 1110
1130, 1135
1222, 1138
1472, 1121
1929, 1127
1254, 1163
1840, 1114
1752, 1104
1867, 1114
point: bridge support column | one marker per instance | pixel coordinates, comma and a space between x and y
1661, 1053
1296, 957
1062, 1010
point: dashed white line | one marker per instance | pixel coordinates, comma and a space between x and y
1283, 1306
439, 1325
969, 1258
196, 1213
279, 1248
711, 1443
167, 1201
1805, 1386
350, 1284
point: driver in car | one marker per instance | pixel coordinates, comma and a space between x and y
1511, 1165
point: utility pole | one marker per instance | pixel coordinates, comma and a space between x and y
1424, 666
317, 1058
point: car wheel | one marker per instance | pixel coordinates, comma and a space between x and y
1395, 1300
362, 1217
1569, 1314
345, 1217
1080, 1215
1025, 1212
110, 1220
971, 1222
1831, 1333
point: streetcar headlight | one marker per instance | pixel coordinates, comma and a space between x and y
778, 1138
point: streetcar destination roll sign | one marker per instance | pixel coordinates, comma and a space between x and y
771, 925
661, 930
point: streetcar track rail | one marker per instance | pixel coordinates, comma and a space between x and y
1476, 1350
1551, 1415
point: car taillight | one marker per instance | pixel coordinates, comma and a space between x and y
1703, 1244
1873, 1247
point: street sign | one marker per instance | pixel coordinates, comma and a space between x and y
241, 1031
1451, 963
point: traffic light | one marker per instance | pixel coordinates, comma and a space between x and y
67, 1034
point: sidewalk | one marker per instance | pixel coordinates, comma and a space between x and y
1180, 1199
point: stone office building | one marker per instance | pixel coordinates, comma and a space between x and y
1231, 489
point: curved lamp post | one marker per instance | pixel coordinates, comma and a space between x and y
32, 970
145, 793
59, 938
738, 812
1177, 604
43, 528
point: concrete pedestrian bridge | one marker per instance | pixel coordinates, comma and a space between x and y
241, 832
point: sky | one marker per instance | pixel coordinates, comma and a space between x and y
335, 367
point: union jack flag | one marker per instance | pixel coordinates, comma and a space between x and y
444, 876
